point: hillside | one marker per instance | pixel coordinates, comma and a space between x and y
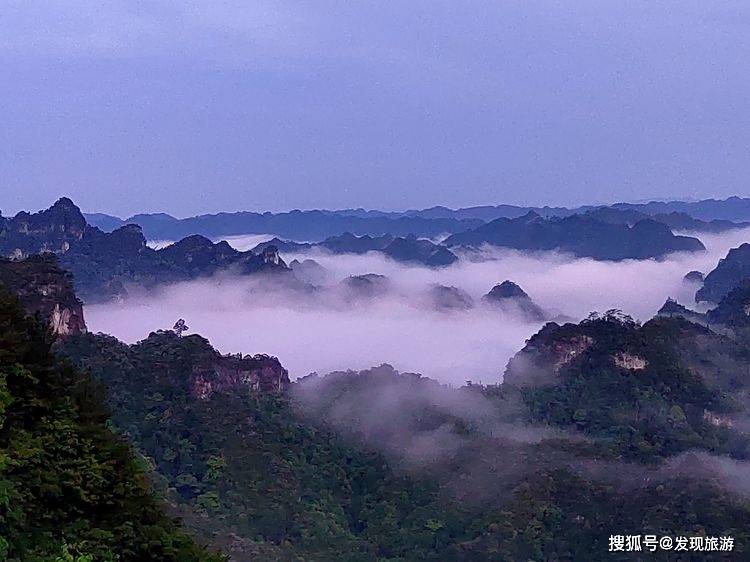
71, 489
601, 425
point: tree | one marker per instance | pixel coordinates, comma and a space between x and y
180, 327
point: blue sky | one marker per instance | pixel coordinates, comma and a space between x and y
190, 107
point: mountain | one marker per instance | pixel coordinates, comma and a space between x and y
672, 309
727, 275
106, 264
733, 311
653, 390
365, 286
296, 225
44, 289
316, 225
620, 427
51, 230
446, 298
309, 271
735, 209
579, 235
674, 220
711, 214
511, 298
72, 489
407, 249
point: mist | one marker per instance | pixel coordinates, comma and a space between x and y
324, 331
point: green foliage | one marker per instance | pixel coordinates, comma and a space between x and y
69, 488
645, 414
254, 474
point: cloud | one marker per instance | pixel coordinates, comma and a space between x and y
325, 332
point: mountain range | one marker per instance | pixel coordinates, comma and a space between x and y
597, 425
315, 225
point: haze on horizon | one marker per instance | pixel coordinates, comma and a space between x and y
201, 107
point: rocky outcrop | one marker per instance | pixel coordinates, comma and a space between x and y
44, 288
257, 373
514, 300
694, 277
630, 362
546, 354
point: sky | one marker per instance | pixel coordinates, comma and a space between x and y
194, 107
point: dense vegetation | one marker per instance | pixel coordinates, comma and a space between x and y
69, 488
655, 410
334, 471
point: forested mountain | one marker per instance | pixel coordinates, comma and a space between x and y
602, 425
105, 264
70, 489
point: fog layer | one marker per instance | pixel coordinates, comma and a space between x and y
323, 332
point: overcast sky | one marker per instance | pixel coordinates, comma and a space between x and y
191, 107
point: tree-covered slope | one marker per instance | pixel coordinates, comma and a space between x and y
69, 488
378, 465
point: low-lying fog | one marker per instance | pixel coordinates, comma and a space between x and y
323, 333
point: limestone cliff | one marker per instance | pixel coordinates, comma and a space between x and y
44, 288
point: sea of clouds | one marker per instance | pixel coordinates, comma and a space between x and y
322, 333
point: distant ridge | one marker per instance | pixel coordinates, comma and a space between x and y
710, 215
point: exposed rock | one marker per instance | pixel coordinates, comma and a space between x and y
259, 373
45, 289
718, 420
630, 362
546, 354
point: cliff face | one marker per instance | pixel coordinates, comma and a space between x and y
257, 373
43, 288
185, 368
